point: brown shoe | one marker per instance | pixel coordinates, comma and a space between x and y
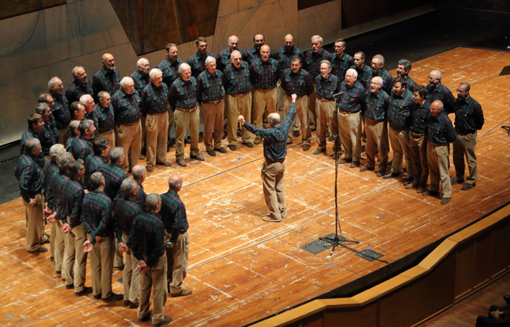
344, 161
165, 163
289, 140
133, 305
354, 164
257, 140
211, 153
149, 168
181, 162
184, 292
198, 157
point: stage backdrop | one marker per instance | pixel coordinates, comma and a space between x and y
45, 38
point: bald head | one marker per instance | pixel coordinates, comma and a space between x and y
265, 52
139, 173
175, 183
436, 107
274, 119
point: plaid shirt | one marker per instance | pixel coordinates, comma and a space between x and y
69, 142
410, 84
441, 93
340, 65
113, 176
275, 139
210, 87
299, 83
96, 215
326, 87
29, 134
125, 212
173, 214
223, 59
140, 199
364, 75
105, 81
50, 169
55, 181
61, 111
387, 80
197, 63
353, 98
70, 200
399, 112
47, 138
252, 54
75, 91
183, 95
29, 176
264, 75
147, 237
312, 63
93, 163
170, 70
105, 118
154, 100
81, 148
284, 58
126, 107
420, 115
237, 80
468, 115
141, 81
440, 130
376, 105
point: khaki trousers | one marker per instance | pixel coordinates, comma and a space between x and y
238, 106
399, 139
131, 276
261, 99
171, 119
349, 128
212, 118
62, 136
185, 120
75, 259
35, 223
101, 266
130, 138
281, 107
180, 268
59, 246
326, 116
465, 147
418, 147
311, 107
154, 279
143, 121
273, 185
437, 159
156, 131
111, 140
302, 112
377, 139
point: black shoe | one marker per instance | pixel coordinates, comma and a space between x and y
248, 144
224, 135
365, 168
467, 186
445, 200
456, 180
86, 290
133, 305
166, 321
70, 286
390, 175
506, 298
239, 133
332, 138
58, 272
430, 193
146, 318
47, 241
296, 133
119, 268
221, 150
318, 151
39, 250
114, 297
125, 303
98, 296
211, 153
313, 128
344, 161
336, 155
232, 147
187, 140
306, 147
362, 148
171, 143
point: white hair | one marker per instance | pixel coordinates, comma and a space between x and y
53, 81
209, 59
236, 52
74, 70
317, 37
125, 81
83, 99
140, 62
153, 72
353, 71
183, 66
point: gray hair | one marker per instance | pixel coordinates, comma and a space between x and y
274, 118
115, 154
53, 81
317, 37
31, 145
56, 150
406, 63
83, 99
140, 62
183, 66
353, 71
174, 182
209, 59
64, 160
327, 62
127, 187
152, 200
138, 171
125, 80
43, 97
85, 126
378, 80
153, 72
41, 107
101, 94
75, 74
96, 180
380, 57
236, 52
74, 167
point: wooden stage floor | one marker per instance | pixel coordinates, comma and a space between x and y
242, 269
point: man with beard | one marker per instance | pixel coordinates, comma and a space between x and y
79, 86
106, 118
238, 88
364, 72
399, 119
468, 119
253, 53
437, 91
284, 56
197, 61
223, 57
107, 78
264, 73
377, 101
126, 105
61, 109
403, 68
378, 70
417, 140
311, 64
170, 68
183, 100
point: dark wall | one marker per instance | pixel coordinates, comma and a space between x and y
486, 13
